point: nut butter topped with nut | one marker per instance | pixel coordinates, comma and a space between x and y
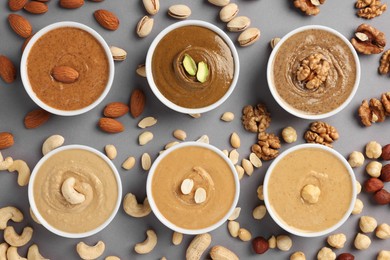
192, 66
314, 71
68, 68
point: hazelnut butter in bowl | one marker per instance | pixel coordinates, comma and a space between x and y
75, 191
67, 68
192, 188
310, 190
192, 66
313, 72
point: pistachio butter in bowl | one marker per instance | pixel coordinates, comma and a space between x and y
192, 66
313, 72
310, 190
192, 188
75, 191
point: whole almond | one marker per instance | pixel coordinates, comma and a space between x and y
107, 19
71, 4
16, 5
64, 74
20, 25
137, 102
115, 109
7, 69
35, 7
36, 118
382, 197
373, 185
6, 140
110, 125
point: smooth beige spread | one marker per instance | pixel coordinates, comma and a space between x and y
341, 74
201, 44
74, 48
180, 209
94, 179
310, 167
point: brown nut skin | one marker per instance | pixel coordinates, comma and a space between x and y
386, 152
345, 256
260, 245
382, 197
373, 185
385, 173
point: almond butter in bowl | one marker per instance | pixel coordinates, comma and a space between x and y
67, 68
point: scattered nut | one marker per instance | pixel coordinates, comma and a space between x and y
326, 253
382, 197
235, 140
197, 115
356, 159
235, 214
283, 242
111, 151
16, 240
227, 117
180, 134
12, 253
260, 193
383, 231
148, 244
321, 133
204, 139
358, 187
220, 252
248, 166
249, 36
358, 207
259, 212
240, 171
267, 147
179, 11
144, 26
34, 217
132, 208
307, 6
151, 6
145, 137
90, 252
373, 150
362, 241
256, 161
373, 185
383, 255
33, 253
128, 163
177, 238
272, 242
23, 171
289, 134
197, 246
52, 143
147, 122
385, 173
146, 161
337, 240
219, 2
141, 70
9, 213
244, 234
5, 163
345, 256
386, 152
170, 144
384, 66
274, 41
374, 44
233, 228
369, 9
234, 156
260, 245
118, 54
374, 169
256, 119
3, 250
298, 256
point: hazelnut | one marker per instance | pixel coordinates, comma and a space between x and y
358, 208
356, 159
367, 224
374, 169
385, 173
358, 187
260, 245
337, 240
345, 256
326, 254
386, 152
383, 231
272, 242
298, 256
373, 150
383, 255
283, 242
382, 197
373, 185
289, 134
310, 193
362, 241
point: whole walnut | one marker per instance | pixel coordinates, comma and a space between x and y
256, 119
321, 133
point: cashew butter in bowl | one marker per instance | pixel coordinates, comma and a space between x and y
75, 191
192, 188
310, 190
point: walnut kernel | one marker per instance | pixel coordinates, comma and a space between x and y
267, 146
373, 150
369, 9
272, 242
313, 71
307, 6
321, 133
384, 66
372, 112
337, 240
256, 119
375, 43
374, 169
289, 134
356, 159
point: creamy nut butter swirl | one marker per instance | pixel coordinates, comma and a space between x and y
72, 48
203, 45
208, 171
314, 71
94, 180
310, 190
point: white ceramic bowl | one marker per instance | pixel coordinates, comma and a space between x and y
56, 230
149, 74
288, 107
168, 223
291, 229
26, 81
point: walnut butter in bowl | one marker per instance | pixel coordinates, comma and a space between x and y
313, 72
75, 191
67, 68
310, 190
192, 66
192, 188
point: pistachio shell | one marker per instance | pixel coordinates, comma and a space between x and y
249, 36
179, 11
274, 41
118, 54
219, 2
141, 70
228, 12
145, 26
151, 6
238, 23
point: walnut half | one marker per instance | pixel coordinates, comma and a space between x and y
369, 9
309, 7
372, 112
369, 40
313, 71
321, 133
384, 66
267, 146
256, 119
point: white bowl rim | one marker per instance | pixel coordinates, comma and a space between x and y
293, 230
26, 81
168, 223
149, 74
293, 110
35, 209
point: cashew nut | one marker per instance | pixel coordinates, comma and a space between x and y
5, 163
148, 245
52, 143
90, 252
23, 171
34, 217
197, 246
33, 253
8, 213
70, 194
3, 250
16, 240
132, 208
12, 254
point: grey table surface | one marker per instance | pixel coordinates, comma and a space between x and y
275, 19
